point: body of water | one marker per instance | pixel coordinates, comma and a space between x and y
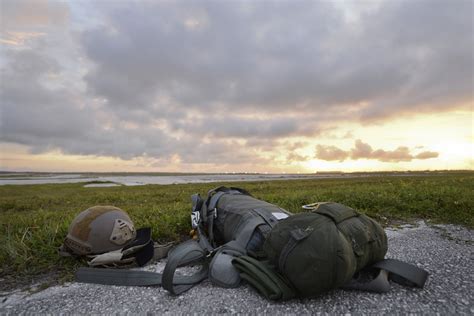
130, 180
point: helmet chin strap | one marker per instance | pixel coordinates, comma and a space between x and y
122, 232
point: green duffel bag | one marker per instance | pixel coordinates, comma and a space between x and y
322, 249
311, 253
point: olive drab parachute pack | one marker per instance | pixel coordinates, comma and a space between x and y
315, 252
238, 237
236, 224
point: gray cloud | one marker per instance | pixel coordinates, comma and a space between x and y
241, 56
32, 112
232, 126
44, 117
213, 81
232, 58
363, 150
38, 113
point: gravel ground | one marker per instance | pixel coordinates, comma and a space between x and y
446, 251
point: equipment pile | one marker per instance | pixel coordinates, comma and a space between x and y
238, 237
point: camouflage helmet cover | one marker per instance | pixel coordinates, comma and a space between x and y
99, 229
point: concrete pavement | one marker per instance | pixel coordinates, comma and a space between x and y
445, 251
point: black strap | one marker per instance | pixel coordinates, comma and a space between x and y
378, 284
403, 273
398, 271
146, 252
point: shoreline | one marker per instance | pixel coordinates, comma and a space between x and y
134, 179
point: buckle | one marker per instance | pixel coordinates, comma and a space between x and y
213, 252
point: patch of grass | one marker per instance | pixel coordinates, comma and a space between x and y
34, 219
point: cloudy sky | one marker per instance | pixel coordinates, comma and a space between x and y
236, 86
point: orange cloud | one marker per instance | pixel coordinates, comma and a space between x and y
331, 153
23, 21
363, 150
19, 38
427, 155
296, 157
33, 13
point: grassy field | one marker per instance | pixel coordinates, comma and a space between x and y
34, 218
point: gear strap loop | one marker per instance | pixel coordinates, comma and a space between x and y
184, 254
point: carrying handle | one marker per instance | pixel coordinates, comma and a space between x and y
184, 254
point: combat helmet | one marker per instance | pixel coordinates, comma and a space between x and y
106, 237
99, 229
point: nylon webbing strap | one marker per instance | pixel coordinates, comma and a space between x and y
210, 208
215, 194
398, 271
123, 277
210, 227
245, 234
196, 201
183, 254
117, 277
186, 253
380, 284
269, 219
214, 199
401, 272
203, 241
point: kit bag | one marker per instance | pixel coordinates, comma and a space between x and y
314, 252
231, 223
321, 250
